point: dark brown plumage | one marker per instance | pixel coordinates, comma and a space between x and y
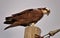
25, 17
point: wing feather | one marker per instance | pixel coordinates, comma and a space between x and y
17, 14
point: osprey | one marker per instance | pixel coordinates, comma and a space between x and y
26, 17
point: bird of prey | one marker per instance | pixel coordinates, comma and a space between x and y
26, 17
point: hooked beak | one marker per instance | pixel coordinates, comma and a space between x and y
48, 13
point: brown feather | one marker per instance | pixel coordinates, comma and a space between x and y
25, 17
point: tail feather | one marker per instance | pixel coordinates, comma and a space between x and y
7, 18
8, 27
8, 22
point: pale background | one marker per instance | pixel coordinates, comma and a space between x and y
47, 23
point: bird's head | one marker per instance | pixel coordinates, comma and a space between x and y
45, 10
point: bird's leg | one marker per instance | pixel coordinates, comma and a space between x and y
32, 24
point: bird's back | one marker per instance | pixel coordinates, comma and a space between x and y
31, 15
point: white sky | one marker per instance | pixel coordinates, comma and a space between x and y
47, 23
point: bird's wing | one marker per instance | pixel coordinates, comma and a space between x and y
25, 11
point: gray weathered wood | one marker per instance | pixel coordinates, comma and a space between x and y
30, 31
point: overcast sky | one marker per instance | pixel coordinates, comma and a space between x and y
47, 23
